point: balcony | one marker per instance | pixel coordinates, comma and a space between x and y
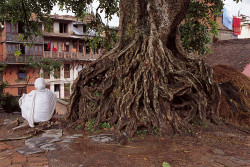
69, 55
22, 58
14, 37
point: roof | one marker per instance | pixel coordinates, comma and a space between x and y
77, 32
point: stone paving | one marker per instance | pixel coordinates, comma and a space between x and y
9, 157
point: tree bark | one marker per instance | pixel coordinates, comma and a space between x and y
147, 80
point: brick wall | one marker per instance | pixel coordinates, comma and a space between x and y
11, 76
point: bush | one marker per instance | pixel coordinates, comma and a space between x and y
10, 103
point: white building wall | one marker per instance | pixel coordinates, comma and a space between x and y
245, 31
56, 27
70, 28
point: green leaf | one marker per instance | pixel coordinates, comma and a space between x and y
165, 164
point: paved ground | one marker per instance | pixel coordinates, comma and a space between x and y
209, 147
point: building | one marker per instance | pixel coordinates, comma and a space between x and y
20, 79
245, 27
67, 41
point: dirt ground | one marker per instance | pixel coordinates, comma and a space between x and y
211, 146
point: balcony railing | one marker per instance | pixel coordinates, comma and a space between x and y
70, 55
14, 37
22, 58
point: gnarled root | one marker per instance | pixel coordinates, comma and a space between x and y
145, 85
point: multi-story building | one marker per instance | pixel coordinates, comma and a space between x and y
20, 79
66, 41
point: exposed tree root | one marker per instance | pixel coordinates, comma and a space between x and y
149, 81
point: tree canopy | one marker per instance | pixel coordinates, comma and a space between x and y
196, 29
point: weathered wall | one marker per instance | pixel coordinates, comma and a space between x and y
224, 33
11, 76
61, 107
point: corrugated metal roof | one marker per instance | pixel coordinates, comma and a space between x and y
77, 32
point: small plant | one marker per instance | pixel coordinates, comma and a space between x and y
165, 164
105, 125
90, 125
98, 93
78, 127
142, 132
156, 130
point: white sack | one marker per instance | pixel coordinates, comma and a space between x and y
39, 104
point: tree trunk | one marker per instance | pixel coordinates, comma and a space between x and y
146, 80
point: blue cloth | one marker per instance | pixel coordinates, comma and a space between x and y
227, 19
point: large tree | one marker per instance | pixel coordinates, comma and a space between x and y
147, 79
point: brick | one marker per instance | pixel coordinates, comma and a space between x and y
5, 162
37, 159
4, 146
19, 159
16, 165
35, 164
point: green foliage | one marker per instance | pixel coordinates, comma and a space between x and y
98, 93
156, 130
105, 125
165, 164
48, 65
90, 125
78, 127
10, 103
141, 132
23, 10
200, 26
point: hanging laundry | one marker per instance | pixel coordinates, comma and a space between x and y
227, 20
48, 46
54, 49
236, 25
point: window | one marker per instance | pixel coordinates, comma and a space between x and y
66, 90
11, 48
8, 27
22, 48
63, 27
66, 71
22, 90
56, 87
11, 28
87, 49
21, 74
84, 28
81, 48
20, 27
46, 46
65, 46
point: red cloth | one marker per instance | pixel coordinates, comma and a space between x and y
54, 49
236, 22
236, 25
48, 46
